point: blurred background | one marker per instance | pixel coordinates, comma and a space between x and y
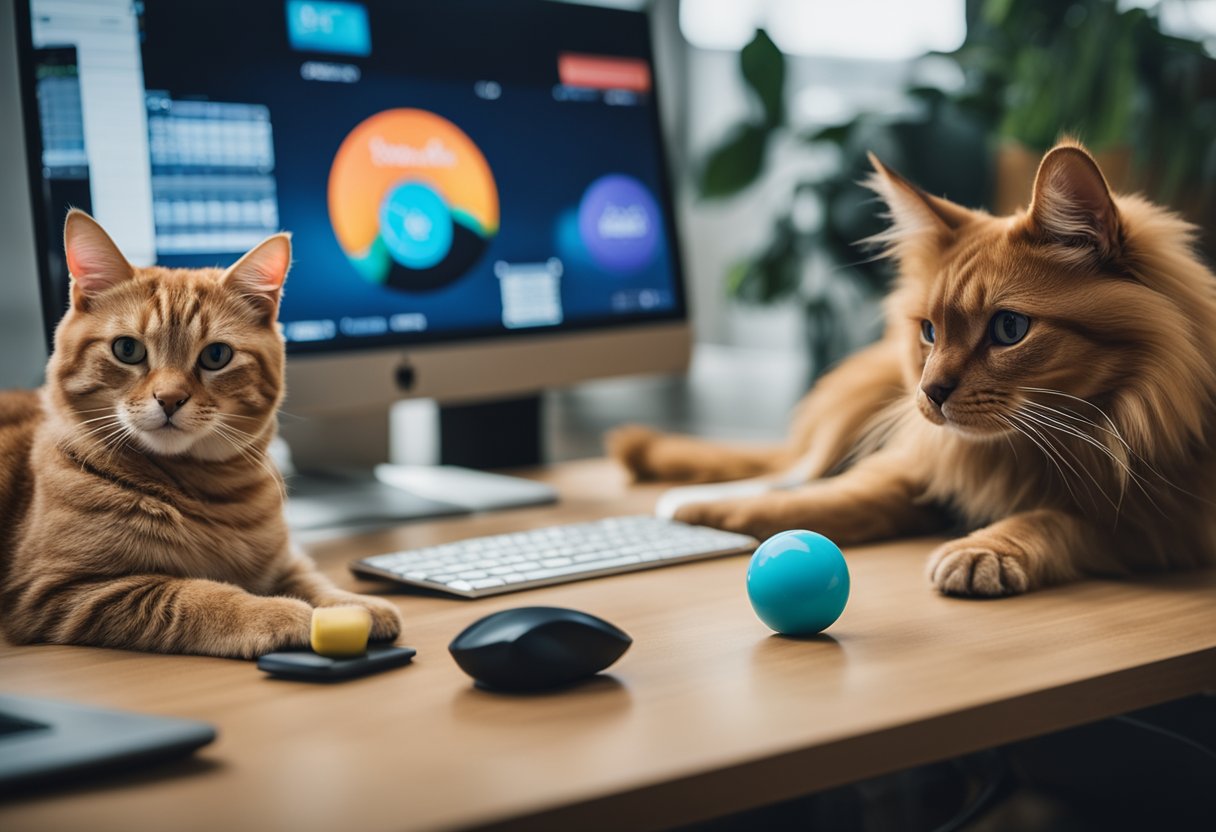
773, 104
770, 107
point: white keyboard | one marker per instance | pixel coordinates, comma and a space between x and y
482, 566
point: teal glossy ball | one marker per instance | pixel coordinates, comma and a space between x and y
798, 582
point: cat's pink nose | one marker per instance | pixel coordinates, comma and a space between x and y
171, 400
938, 393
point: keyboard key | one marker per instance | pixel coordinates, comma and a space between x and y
542, 574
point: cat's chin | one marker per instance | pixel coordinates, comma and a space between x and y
166, 441
977, 433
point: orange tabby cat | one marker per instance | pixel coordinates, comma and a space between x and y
139, 508
1047, 378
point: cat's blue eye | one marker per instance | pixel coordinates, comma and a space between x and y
215, 356
927, 332
1008, 328
128, 350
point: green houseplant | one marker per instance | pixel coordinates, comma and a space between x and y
1031, 69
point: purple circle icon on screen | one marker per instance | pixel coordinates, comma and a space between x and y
619, 220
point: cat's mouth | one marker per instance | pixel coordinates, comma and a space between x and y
978, 424
163, 436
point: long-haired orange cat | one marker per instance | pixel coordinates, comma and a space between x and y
1046, 379
138, 507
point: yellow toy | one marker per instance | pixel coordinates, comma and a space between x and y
340, 632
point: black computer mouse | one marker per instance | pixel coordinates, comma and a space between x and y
537, 648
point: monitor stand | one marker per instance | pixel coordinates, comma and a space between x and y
339, 475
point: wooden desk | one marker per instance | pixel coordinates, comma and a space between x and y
707, 713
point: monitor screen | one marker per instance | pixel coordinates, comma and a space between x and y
449, 169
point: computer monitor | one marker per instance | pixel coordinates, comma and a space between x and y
477, 188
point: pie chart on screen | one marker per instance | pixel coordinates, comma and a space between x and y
412, 200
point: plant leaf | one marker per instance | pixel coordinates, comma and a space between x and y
763, 67
736, 163
834, 133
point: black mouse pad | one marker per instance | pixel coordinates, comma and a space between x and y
307, 666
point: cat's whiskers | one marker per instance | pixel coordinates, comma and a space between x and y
225, 433
1131, 451
1074, 416
1009, 441
240, 416
1031, 420
116, 435
220, 419
106, 421
1113, 431
1051, 457
1057, 454
1123, 470
233, 441
98, 418
1113, 427
119, 442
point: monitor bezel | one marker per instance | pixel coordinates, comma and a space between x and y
678, 313
31, 128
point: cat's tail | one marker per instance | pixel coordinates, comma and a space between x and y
830, 422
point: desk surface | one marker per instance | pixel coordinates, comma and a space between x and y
707, 713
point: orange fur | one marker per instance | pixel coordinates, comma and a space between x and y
140, 509
1086, 447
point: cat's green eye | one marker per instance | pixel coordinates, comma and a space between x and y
1008, 328
927, 332
215, 356
128, 350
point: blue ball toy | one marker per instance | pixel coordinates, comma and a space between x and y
798, 582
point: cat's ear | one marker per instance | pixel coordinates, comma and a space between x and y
258, 276
915, 214
1072, 207
94, 262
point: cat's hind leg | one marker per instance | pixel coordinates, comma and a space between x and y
827, 425
649, 456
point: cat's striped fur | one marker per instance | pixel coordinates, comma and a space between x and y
140, 509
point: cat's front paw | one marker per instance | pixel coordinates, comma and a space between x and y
969, 570
629, 445
742, 516
276, 624
386, 619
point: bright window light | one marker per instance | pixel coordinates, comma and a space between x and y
1191, 19
889, 30
1194, 19
719, 24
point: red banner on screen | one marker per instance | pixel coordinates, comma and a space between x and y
603, 73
